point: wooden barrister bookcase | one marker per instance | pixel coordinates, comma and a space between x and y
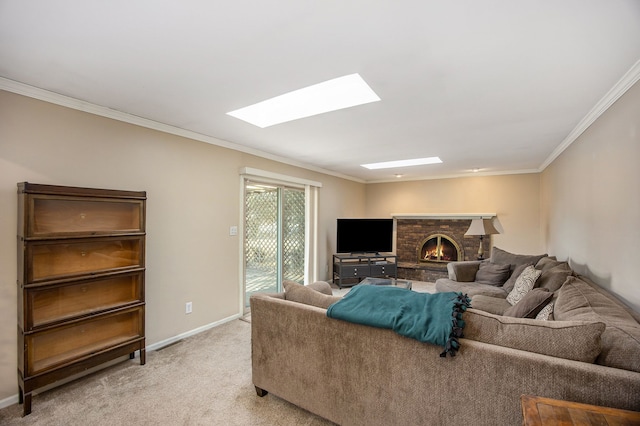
81, 266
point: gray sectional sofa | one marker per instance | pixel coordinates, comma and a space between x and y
353, 374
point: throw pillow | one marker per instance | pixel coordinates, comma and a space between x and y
508, 286
303, 294
493, 274
546, 313
530, 304
322, 286
548, 262
553, 278
576, 340
524, 284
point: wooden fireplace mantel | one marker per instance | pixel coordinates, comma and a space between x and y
443, 215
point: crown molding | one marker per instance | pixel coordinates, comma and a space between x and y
73, 103
620, 88
456, 176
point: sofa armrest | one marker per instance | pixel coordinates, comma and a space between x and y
463, 271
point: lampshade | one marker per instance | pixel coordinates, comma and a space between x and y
481, 227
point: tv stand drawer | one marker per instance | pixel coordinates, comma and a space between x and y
357, 270
384, 270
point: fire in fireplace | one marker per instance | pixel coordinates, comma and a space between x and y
439, 248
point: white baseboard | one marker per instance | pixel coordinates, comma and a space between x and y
170, 340
9, 401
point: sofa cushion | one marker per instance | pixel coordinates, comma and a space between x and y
493, 305
502, 257
578, 300
470, 289
493, 274
575, 340
303, 294
525, 282
508, 286
530, 304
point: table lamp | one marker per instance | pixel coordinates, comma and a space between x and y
481, 227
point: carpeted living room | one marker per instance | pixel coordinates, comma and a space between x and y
166, 257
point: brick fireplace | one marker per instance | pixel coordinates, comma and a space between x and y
424, 245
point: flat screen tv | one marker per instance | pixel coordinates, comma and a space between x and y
364, 236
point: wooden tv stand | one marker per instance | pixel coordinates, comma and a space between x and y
356, 266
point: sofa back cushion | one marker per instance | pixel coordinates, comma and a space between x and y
575, 340
579, 300
501, 257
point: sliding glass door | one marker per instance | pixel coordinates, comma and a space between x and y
274, 237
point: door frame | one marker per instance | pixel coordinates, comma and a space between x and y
311, 189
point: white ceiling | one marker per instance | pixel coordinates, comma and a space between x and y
497, 85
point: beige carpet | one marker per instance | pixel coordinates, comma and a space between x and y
202, 380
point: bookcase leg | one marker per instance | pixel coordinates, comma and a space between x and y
143, 356
26, 398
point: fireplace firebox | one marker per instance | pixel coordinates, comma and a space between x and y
439, 248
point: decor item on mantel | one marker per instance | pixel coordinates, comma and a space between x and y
481, 227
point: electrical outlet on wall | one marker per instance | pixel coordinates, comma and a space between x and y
188, 308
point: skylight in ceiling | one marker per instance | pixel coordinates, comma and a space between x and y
339, 93
403, 163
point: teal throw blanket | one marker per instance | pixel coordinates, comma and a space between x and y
430, 318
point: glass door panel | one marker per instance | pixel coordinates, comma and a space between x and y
293, 237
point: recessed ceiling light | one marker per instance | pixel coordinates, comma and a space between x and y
475, 170
339, 93
403, 163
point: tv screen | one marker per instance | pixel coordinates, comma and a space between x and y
364, 235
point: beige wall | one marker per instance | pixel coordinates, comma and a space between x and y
193, 191
515, 199
591, 200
